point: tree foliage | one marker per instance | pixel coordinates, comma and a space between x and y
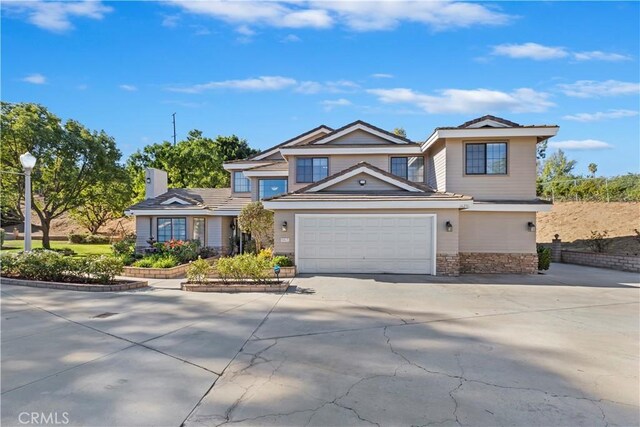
557, 166
400, 132
593, 168
257, 221
195, 162
71, 159
104, 201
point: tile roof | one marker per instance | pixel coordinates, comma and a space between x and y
428, 192
202, 198
506, 122
302, 135
361, 122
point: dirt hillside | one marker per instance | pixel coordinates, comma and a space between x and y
574, 221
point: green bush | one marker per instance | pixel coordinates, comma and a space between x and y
96, 239
126, 246
77, 238
198, 271
544, 258
282, 261
54, 267
3, 234
184, 251
146, 262
242, 267
166, 262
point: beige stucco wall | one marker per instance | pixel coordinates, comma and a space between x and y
358, 137
436, 166
447, 242
501, 232
352, 184
518, 184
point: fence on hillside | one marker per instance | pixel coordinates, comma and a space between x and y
625, 188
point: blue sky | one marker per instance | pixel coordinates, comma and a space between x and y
268, 71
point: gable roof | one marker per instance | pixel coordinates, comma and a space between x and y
361, 125
490, 121
214, 199
364, 167
291, 141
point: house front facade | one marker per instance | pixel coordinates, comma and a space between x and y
360, 199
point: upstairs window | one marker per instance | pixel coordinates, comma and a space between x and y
271, 187
311, 169
411, 168
241, 184
486, 158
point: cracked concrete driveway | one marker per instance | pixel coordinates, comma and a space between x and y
554, 349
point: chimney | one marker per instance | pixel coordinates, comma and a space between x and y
155, 182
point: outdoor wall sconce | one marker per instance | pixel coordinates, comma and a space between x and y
284, 225
148, 180
448, 226
232, 225
531, 226
362, 182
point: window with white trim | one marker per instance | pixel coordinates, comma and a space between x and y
410, 168
487, 158
311, 169
241, 184
172, 229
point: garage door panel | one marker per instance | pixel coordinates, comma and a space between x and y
365, 244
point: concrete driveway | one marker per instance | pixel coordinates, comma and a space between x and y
554, 349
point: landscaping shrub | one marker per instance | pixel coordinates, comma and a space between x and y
242, 267
52, 266
265, 253
96, 239
166, 262
198, 271
599, 242
207, 252
77, 238
3, 234
544, 258
282, 261
146, 262
184, 251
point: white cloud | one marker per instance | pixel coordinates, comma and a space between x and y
338, 86
523, 100
170, 21
534, 51
291, 38
354, 15
382, 76
595, 117
128, 88
580, 145
36, 79
597, 55
595, 89
330, 104
55, 16
257, 84
245, 31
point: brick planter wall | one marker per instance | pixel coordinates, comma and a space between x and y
447, 265
614, 262
87, 287
285, 272
249, 287
481, 262
159, 273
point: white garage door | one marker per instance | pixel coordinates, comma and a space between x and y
365, 243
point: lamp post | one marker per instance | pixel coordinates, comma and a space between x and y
28, 162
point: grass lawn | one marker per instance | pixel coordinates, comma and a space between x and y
82, 250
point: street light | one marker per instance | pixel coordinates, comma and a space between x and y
28, 162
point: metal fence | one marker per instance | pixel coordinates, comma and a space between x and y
625, 188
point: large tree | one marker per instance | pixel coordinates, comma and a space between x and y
557, 167
104, 201
71, 159
195, 162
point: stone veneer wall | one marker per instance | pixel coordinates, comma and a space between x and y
481, 262
615, 262
447, 265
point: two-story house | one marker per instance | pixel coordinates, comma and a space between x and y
360, 199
